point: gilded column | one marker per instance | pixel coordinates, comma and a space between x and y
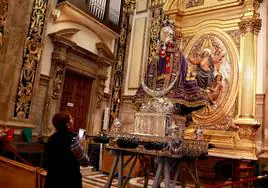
249, 26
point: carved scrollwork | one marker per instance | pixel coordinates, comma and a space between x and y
3, 16
119, 65
31, 57
100, 91
129, 5
248, 132
185, 41
193, 3
235, 35
57, 82
226, 123
100, 94
252, 24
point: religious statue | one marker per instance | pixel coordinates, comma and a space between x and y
166, 71
201, 79
57, 82
205, 69
209, 66
215, 90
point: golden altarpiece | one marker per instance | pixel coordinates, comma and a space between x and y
230, 121
225, 30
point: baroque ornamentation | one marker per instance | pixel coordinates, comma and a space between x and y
247, 132
185, 41
57, 82
235, 35
225, 124
129, 5
194, 3
31, 57
119, 65
252, 24
101, 87
155, 3
3, 17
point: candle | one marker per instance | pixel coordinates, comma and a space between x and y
106, 119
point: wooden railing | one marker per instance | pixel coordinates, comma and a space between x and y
105, 11
15, 174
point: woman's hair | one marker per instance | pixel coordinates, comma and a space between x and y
61, 120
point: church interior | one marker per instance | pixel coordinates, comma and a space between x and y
169, 93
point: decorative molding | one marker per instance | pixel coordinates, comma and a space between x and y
248, 132
250, 21
185, 41
44, 80
226, 123
235, 35
3, 17
67, 55
252, 25
103, 48
16, 124
31, 57
157, 3
58, 81
193, 3
260, 99
129, 6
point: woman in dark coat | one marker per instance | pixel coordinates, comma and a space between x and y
65, 155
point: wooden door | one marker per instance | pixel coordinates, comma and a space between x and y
76, 98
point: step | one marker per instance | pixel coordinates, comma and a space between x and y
86, 171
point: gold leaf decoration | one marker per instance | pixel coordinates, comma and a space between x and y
31, 57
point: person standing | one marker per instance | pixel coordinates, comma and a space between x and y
65, 155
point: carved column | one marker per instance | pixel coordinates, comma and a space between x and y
249, 27
30, 61
57, 70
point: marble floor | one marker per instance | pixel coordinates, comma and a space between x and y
98, 179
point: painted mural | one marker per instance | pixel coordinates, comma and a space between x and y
210, 65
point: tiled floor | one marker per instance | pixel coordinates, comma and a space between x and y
98, 180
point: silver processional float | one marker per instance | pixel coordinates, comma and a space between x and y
166, 99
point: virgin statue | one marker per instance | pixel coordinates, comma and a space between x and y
166, 70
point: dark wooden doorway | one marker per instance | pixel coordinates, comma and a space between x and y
76, 98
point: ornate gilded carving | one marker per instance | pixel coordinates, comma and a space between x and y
224, 124
194, 3
155, 3
235, 35
128, 5
185, 41
251, 24
248, 132
3, 16
31, 57
57, 82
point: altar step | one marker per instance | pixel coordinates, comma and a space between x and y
98, 180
